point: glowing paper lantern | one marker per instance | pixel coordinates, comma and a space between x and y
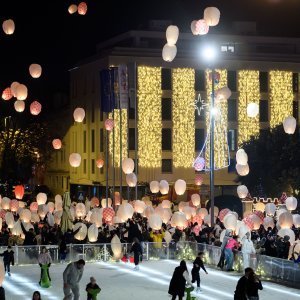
193, 27
8, 26
181, 205
104, 202
125, 211
14, 205
196, 199
289, 232
34, 207
148, 211
198, 180
164, 187
154, 187
19, 105
80, 210
296, 220
21, 92
252, 110
223, 213
100, 163
222, 94
108, 214
109, 124
270, 209
116, 247
51, 206
93, 233
207, 220
172, 34
155, 221
212, 16
35, 108
230, 221
241, 157
58, 202
285, 220
25, 215
5, 203
202, 212
75, 160
180, 187
9, 220
268, 222
256, 221
199, 164
139, 206
201, 27
248, 221
242, 191
41, 198
82, 8
96, 217
72, 9
7, 94
131, 180
19, 191
79, 114
35, 70
243, 230
56, 143
189, 212
289, 125
169, 52
216, 211
179, 220
260, 206
291, 203
81, 234
43, 210
116, 220
127, 165
166, 215
95, 202
166, 204
17, 230
13, 87
242, 170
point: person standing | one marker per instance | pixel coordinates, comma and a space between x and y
45, 261
227, 236
240, 290
136, 248
92, 289
178, 281
253, 284
71, 277
231, 245
8, 258
247, 249
36, 296
197, 264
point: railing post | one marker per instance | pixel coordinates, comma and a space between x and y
168, 251
17, 254
147, 252
105, 254
83, 256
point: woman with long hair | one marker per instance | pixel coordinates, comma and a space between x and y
36, 296
45, 261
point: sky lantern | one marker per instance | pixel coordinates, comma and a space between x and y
139, 206
56, 143
35, 70
212, 16
242, 170
154, 187
131, 179
79, 114
193, 27
285, 220
116, 247
222, 94
19, 105
172, 34
289, 125
108, 214
164, 187
72, 9
99, 163
25, 215
199, 164
35, 108
19, 191
7, 94
95, 202
196, 199
34, 206
241, 157
21, 92
291, 203
109, 124
8, 26
14, 205
103, 202
93, 233
169, 52
82, 8
13, 87
198, 179
127, 165
270, 209
81, 234
75, 160
242, 191
201, 27
41, 198
80, 210
155, 221
180, 187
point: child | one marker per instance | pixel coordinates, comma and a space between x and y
8, 257
92, 289
197, 264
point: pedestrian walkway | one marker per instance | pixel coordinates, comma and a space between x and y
120, 281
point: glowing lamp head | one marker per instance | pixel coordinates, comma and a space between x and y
209, 53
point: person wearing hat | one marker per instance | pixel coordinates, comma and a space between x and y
92, 289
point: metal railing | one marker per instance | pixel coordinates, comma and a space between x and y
268, 268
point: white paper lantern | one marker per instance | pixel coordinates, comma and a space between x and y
230, 221
216, 211
212, 16
243, 230
25, 215
155, 221
127, 165
35, 70
296, 220
179, 220
81, 234
8, 26
5, 203
189, 212
172, 34
72, 9
201, 27
164, 187
289, 125
252, 110
166, 215
139, 206
93, 233
41, 198
268, 222
154, 187
242, 170
270, 209
9, 220
168, 237
256, 221
35, 217
180, 187
207, 220
241, 157
58, 202
105, 203
19, 105
96, 217
193, 27
116, 220
289, 232
13, 87
131, 180
75, 160
166, 204
285, 220
50, 219
260, 206
181, 205
17, 229
43, 210
222, 94
280, 211
242, 191
79, 114
202, 212
80, 210
125, 211
196, 199
169, 52
21, 92
116, 247
148, 211
291, 203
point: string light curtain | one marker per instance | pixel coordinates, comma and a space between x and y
149, 117
183, 95
249, 92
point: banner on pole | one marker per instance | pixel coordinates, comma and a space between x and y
123, 86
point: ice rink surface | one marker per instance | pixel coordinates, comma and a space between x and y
120, 282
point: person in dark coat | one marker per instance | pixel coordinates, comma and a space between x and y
29, 236
253, 284
283, 246
240, 290
8, 258
2, 293
92, 289
136, 248
197, 265
178, 281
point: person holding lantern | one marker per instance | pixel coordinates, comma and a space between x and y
45, 261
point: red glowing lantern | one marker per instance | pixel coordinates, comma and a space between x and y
223, 213
82, 8
201, 27
14, 205
35, 108
34, 207
260, 214
19, 191
198, 180
108, 214
95, 202
249, 222
109, 124
199, 163
56, 143
117, 198
7, 94
99, 163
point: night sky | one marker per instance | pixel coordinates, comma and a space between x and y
47, 34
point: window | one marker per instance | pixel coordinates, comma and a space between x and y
93, 166
232, 144
131, 113
93, 140
232, 111
167, 139
263, 111
231, 78
84, 141
295, 110
101, 140
199, 80
166, 79
166, 109
295, 82
166, 166
84, 166
263, 80
199, 139
227, 48
131, 138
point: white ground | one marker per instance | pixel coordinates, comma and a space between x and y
120, 282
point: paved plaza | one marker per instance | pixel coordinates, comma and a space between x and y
120, 281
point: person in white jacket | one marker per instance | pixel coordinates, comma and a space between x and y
247, 249
71, 276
